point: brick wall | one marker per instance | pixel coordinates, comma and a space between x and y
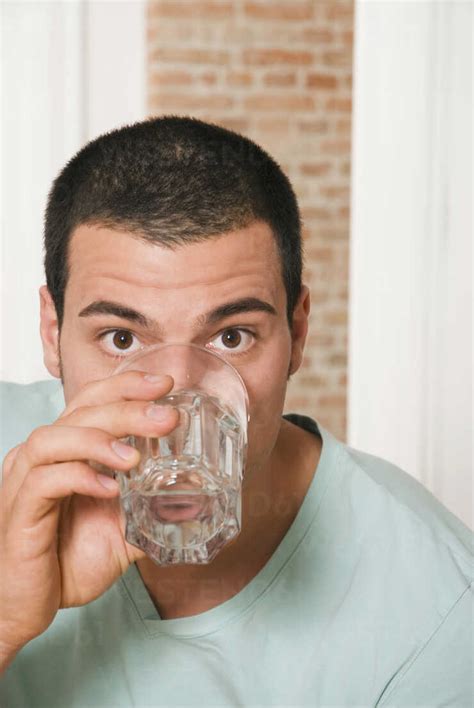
279, 72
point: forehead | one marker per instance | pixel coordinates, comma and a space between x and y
103, 261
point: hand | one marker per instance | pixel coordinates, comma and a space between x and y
61, 528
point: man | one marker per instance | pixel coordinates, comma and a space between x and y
349, 585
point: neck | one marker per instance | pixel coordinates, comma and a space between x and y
270, 502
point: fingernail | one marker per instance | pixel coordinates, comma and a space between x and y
158, 412
124, 451
107, 482
154, 378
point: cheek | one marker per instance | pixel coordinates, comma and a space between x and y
74, 377
266, 387
79, 364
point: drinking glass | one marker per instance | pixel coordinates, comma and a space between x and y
182, 502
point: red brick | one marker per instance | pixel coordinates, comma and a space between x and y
295, 403
343, 125
343, 294
269, 102
265, 57
311, 381
341, 58
321, 81
190, 102
315, 169
348, 38
345, 169
239, 78
340, 105
316, 213
278, 79
313, 126
190, 56
338, 360
208, 78
314, 35
331, 400
279, 10
323, 254
150, 28
335, 147
240, 125
320, 297
302, 190
170, 78
337, 10
220, 9
273, 125
318, 338
346, 81
305, 232
334, 192
337, 317
332, 234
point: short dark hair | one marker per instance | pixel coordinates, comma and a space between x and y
172, 180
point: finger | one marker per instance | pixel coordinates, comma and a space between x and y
51, 444
44, 488
129, 385
9, 461
122, 418
133, 553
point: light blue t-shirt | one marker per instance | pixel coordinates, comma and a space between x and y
367, 601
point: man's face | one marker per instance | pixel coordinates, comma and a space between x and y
159, 296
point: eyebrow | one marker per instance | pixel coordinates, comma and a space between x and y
236, 307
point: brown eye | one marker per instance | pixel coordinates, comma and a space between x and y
231, 338
234, 341
122, 339
119, 342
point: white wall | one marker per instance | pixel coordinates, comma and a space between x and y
410, 342
70, 71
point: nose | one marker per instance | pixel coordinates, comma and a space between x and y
185, 363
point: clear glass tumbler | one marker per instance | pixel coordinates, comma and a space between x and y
182, 502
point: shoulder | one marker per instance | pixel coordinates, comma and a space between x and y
414, 560
411, 508
25, 407
415, 554
418, 554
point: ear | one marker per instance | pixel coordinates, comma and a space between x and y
49, 331
299, 329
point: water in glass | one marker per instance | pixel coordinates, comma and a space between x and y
183, 500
